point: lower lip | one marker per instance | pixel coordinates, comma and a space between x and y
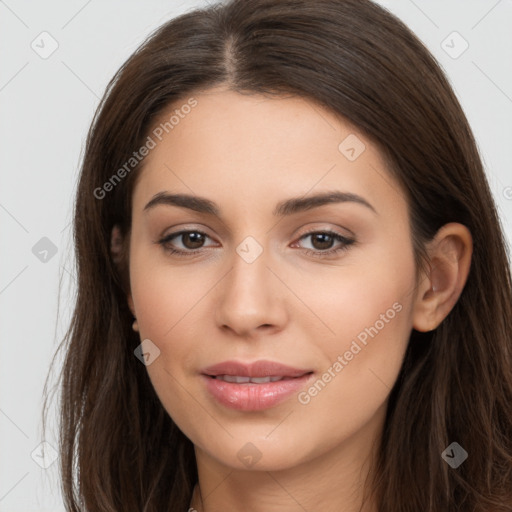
254, 397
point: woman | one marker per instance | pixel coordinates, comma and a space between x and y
293, 289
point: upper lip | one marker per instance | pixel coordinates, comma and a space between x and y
255, 369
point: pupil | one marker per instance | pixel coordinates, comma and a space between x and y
196, 239
325, 240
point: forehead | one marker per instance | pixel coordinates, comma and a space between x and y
254, 149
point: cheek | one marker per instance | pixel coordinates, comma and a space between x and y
164, 296
367, 298
166, 301
369, 310
162, 302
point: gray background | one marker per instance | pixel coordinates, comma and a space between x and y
47, 105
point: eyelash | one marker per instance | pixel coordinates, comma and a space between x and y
346, 242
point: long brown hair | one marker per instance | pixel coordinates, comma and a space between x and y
120, 450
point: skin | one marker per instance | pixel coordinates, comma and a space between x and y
246, 153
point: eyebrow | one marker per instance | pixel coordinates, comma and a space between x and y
283, 208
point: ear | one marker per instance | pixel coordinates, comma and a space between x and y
116, 249
439, 289
116, 244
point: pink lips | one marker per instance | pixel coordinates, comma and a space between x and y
253, 396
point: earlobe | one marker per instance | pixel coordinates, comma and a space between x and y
135, 324
439, 290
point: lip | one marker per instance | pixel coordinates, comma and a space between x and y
252, 396
260, 368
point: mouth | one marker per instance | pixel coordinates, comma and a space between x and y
255, 386
238, 379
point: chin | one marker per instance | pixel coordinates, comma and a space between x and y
251, 451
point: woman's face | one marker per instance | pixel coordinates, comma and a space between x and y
273, 273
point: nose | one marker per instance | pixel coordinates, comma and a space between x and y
250, 298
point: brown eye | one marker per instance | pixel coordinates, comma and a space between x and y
322, 241
192, 239
184, 242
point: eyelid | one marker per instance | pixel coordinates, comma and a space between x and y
345, 242
184, 228
328, 229
188, 229
320, 254
183, 231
